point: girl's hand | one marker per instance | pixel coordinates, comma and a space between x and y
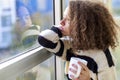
61, 28
84, 74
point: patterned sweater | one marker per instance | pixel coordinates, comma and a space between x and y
100, 63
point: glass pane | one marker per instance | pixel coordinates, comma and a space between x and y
44, 71
16, 17
115, 4
116, 7
6, 20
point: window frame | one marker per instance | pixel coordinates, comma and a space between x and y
59, 63
13, 67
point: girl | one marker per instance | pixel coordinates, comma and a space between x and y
90, 31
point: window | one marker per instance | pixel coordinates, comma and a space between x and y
116, 7
6, 39
16, 17
43, 71
6, 20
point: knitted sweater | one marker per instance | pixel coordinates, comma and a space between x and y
100, 63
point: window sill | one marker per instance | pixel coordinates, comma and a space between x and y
9, 70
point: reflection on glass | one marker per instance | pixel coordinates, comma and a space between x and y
44, 71
17, 16
6, 20
23, 14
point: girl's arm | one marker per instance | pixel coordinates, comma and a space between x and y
50, 39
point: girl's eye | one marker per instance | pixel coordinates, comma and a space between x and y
68, 19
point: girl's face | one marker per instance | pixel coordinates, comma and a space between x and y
65, 23
24, 16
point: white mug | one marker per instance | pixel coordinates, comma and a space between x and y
75, 60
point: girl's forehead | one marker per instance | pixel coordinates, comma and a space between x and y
66, 11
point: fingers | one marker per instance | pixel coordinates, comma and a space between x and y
84, 75
84, 71
73, 70
75, 66
84, 67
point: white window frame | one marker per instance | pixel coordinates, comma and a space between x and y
59, 62
12, 68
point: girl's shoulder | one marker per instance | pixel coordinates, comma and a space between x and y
103, 59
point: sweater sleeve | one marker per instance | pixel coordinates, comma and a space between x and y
52, 41
108, 74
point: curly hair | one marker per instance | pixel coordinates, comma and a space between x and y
91, 26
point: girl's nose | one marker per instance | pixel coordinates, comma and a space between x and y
62, 22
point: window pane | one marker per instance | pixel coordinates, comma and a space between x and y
16, 17
116, 7
116, 12
44, 71
6, 20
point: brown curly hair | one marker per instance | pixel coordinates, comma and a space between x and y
92, 26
